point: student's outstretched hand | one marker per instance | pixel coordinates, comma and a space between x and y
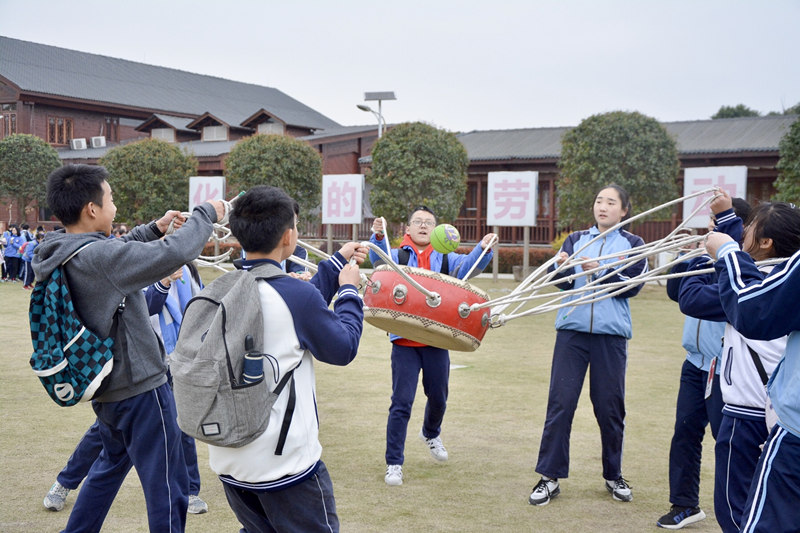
487, 239
352, 250
377, 228
304, 276
714, 240
349, 275
721, 202
172, 216
219, 207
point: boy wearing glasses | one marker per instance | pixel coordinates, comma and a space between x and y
409, 357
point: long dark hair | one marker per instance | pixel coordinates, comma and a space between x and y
780, 222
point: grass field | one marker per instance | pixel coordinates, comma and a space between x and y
492, 430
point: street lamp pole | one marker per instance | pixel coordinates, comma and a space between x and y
380, 97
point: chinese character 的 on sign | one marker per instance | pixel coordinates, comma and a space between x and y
342, 196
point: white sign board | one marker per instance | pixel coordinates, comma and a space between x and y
512, 198
730, 179
342, 196
205, 188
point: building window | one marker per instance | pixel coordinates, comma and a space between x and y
9, 124
215, 133
270, 128
59, 130
165, 134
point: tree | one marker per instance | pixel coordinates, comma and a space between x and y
417, 164
740, 110
788, 182
794, 110
280, 161
25, 162
148, 178
626, 148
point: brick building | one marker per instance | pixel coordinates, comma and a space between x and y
85, 104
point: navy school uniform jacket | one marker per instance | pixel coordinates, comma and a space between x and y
742, 389
765, 306
298, 328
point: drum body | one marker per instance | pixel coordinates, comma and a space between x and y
394, 305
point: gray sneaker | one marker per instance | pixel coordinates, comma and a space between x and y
56, 497
196, 505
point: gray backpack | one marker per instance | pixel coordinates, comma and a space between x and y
220, 399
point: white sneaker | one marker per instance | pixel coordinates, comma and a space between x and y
436, 447
196, 505
394, 475
56, 497
543, 491
619, 489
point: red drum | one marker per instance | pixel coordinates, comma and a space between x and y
392, 304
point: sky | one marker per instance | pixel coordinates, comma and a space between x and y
462, 65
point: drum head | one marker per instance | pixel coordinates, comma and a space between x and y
394, 305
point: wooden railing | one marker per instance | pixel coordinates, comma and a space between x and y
472, 231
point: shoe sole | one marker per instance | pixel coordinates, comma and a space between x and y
393, 483
685, 522
545, 502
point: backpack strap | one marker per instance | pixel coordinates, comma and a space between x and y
264, 272
759, 365
73, 254
403, 254
287, 416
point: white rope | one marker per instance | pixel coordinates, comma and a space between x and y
430, 295
492, 242
540, 278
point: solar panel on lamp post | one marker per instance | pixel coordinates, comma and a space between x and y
380, 97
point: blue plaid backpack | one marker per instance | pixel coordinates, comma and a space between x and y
70, 361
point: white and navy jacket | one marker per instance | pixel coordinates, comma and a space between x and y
740, 382
611, 316
762, 307
298, 327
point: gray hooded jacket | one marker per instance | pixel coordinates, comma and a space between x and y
102, 274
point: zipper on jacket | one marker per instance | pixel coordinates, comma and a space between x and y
591, 311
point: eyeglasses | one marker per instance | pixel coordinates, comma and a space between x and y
423, 223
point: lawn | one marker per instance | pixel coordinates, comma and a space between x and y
496, 409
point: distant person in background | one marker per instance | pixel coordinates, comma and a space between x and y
120, 230
2, 250
27, 257
13, 241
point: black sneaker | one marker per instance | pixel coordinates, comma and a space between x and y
677, 517
543, 491
619, 489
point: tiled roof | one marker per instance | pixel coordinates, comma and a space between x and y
750, 134
44, 69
